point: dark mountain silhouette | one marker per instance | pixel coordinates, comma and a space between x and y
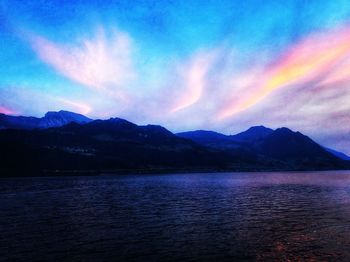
56, 119
338, 154
295, 149
211, 139
117, 145
281, 147
252, 134
51, 119
106, 145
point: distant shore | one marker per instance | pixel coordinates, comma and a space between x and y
63, 173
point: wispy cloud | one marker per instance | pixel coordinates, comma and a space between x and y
305, 61
102, 62
77, 106
23, 100
193, 79
303, 86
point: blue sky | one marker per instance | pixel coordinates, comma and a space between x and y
222, 65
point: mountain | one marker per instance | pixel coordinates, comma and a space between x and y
51, 119
18, 122
281, 148
210, 139
64, 142
218, 140
252, 134
224, 143
113, 145
61, 118
338, 154
295, 149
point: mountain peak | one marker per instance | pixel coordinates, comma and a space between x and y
117, 119
284, 131
60, 118
252, 134
113, 123
200, 133
261, 127
62, 113
209, 138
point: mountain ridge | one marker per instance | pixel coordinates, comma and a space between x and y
117, 145
50, 119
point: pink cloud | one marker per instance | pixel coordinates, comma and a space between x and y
304, 88
193, 75
305, 61
22, 100
99, 63
76, 106
7, 111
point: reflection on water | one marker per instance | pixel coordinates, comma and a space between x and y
238, 216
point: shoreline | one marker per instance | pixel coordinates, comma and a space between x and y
96, 173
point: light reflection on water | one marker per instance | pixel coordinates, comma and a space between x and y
242, 216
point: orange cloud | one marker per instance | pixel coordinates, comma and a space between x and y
305, 61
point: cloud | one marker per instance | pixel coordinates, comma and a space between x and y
339, 74
305, 61
304, 87
79, 107
23, 100
7, 111
193, 75
102, 62
321, 112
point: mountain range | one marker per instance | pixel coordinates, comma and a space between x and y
51, 119
65, 143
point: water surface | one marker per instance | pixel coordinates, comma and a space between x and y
187, 217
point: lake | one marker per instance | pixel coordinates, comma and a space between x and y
177, 217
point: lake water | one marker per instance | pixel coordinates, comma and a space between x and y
180, 217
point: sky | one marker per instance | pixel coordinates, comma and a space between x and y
214, 65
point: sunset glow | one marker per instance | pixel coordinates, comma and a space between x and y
223, 66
